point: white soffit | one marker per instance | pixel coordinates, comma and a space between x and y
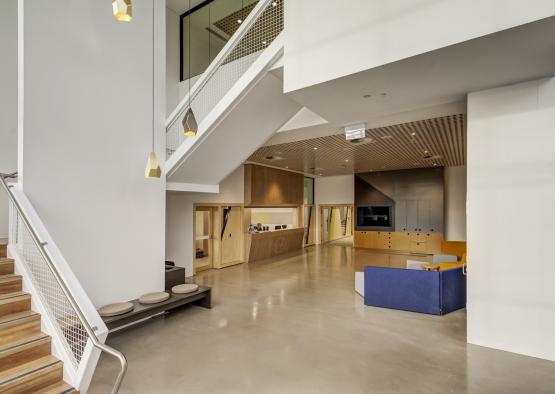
302, 119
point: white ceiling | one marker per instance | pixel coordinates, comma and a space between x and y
429, 85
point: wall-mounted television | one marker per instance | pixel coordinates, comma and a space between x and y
374, 216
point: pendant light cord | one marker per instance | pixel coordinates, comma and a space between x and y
189, 60
153, 74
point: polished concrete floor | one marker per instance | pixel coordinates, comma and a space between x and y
295, 325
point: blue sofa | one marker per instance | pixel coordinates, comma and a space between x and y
436, 293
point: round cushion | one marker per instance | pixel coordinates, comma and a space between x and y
185, 288
119, 308
154, 298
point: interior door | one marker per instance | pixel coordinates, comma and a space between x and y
231, 235
203, 239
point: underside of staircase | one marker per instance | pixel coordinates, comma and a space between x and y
26, 361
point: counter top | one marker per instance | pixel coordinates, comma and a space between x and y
276, 231
273, 243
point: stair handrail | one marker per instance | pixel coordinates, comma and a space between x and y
243, 29
59, 279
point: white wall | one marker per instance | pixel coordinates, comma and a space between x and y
511, 191
455, 203
331, 190
8, 100
88, 130
333, 38
172, 60
179, 216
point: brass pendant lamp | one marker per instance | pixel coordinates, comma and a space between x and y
123, 11
190, 126
152, 167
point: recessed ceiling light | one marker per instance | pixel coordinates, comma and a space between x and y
286, 166
274, 3
315, 148
346, 160
367, 96
239, 21
426, 151
413, 134
264, 42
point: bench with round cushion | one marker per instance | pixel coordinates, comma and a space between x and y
185, 288
154, 298
119, 308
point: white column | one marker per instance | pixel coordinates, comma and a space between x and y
511, 192
88, 130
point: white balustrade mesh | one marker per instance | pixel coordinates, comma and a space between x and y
260, 35
58, 307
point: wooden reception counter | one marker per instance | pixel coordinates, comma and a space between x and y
269, 244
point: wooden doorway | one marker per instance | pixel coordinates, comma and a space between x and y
336, 222
204, 235
232, 241
223, 243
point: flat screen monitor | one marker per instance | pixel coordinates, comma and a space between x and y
374, 216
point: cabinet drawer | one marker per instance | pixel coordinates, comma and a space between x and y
418, 247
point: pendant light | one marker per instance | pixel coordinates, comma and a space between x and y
122, 10
152, 167
190, 126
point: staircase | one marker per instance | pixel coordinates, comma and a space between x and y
238, 102
26, 362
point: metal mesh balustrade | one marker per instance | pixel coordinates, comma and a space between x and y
266, 27
69, 326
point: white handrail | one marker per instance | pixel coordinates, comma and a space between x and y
59, 279
218, 61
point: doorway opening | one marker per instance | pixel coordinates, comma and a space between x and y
336, 223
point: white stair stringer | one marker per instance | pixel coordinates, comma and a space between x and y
246, 117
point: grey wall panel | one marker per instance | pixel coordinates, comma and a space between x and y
417, 195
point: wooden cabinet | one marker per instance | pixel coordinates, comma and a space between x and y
270, 187
358, 239
418, 247
364, 239
400, 241
433, 242
410, 242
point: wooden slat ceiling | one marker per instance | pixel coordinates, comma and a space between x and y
420, 144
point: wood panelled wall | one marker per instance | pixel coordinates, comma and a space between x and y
265, 187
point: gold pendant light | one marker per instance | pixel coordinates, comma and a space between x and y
152, 167
122, 10
190, 125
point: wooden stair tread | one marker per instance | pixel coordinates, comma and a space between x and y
17, 316
31, 349
9, 277
23, 370
58, 388
12, 295
30, 340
